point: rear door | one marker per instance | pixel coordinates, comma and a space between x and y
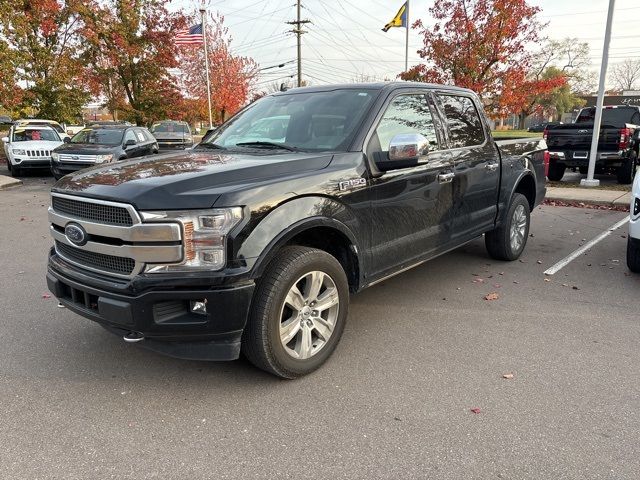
477, 166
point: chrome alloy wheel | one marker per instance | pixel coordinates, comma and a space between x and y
309, 314
518, 228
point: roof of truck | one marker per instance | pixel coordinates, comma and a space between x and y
373, 86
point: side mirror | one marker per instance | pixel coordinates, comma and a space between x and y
129, 143
405, 150
66, 140
5, 139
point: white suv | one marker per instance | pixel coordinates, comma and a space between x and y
633, 242
30, 146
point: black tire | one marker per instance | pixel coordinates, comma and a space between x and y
498, 241
556, 172
633, 255
261, 343
583, 170
626, 172
15, 171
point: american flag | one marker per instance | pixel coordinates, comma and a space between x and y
190, 36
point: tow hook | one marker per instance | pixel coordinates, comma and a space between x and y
133, 337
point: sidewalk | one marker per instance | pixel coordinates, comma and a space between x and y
591, 196
6, 182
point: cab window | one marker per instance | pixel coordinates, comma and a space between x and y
463, 120
407, 114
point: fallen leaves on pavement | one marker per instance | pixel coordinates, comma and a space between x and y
492, 296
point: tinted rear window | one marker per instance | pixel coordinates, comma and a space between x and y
612, 116
465, 126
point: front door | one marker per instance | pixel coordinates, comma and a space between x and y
410, 206
477, 167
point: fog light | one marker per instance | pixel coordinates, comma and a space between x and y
198, 306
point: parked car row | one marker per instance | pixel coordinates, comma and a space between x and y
37, 143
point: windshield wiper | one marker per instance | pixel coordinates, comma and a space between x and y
268, 145
212, 146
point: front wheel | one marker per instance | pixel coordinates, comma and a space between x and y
15, 171
298, 313
633, 254
507, 242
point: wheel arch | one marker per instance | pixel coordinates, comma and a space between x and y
323, 233
526, 185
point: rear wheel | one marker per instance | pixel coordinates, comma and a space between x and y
507, 242
556, 172
633, 254
298, 314
626, 171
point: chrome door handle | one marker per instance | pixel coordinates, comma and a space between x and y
446, 177
492, 167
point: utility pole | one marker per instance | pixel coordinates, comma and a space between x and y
597, 121
299, 32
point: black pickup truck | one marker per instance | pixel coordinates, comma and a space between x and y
569, 144
253, 240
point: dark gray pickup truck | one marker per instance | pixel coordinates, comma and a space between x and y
254, 240
569, 144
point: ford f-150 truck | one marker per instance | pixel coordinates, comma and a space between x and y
254, 240
569, 145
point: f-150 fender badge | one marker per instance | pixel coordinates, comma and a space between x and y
353, 183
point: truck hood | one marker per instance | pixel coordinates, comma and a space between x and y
185, 180
35, 145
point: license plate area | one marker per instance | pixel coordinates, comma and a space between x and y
580, 155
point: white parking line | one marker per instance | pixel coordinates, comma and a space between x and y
570, 258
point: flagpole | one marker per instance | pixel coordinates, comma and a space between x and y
406, 44
203, 12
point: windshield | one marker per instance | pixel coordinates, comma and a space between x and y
98, 136
35, 134
312, 121
617, 117
169, 127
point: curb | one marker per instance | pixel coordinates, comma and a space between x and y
8, 182
608, 198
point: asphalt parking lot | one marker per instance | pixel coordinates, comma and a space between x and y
420, 352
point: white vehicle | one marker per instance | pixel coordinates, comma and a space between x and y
30, 146
633, 240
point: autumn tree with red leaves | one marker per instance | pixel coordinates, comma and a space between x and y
40, 72
130, 51
231, 76
481, 45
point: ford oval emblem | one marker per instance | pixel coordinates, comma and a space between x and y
76, 234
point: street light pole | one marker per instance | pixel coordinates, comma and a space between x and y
203, 13
597, 121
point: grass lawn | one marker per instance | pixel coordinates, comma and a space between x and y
503, 134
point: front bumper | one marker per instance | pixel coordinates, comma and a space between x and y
25, 163
62, 169
161, 315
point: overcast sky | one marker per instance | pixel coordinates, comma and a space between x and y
345, 40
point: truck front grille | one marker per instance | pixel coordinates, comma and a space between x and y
94, 212
99, 261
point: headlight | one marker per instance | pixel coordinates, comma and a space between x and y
104, 158
19, 151
204, 237
55, 156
